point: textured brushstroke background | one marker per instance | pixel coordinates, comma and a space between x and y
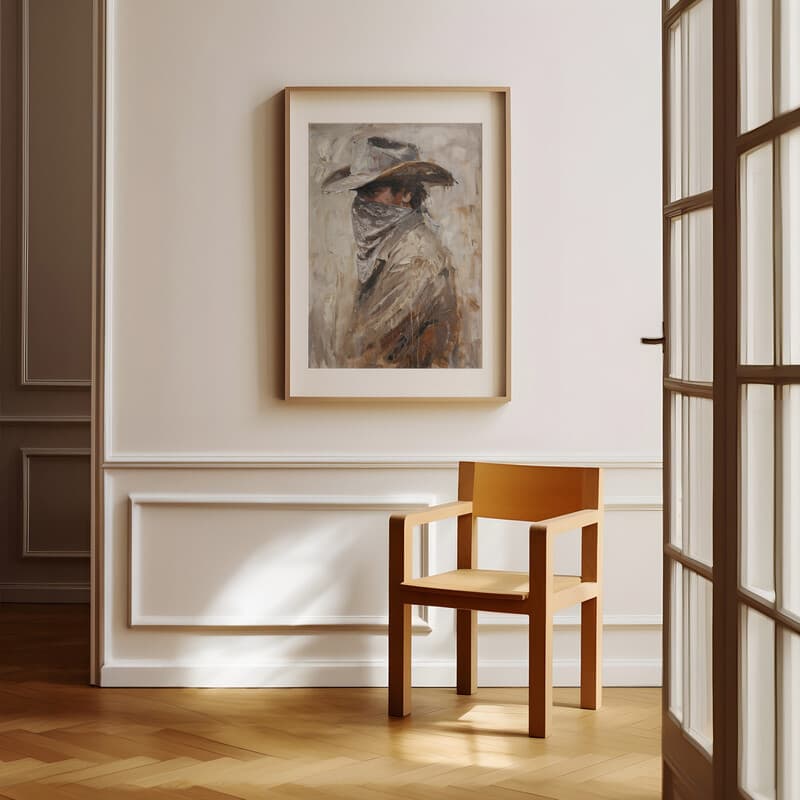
331, 249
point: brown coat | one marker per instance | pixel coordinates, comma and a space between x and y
406, 315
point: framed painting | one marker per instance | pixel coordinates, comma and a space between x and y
397, 243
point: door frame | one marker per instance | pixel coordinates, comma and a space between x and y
97, 571
725, 668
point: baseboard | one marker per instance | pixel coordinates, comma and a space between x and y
44, 593
616, 672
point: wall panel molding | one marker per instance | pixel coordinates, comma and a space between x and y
299, 503
26, 381
653, 503
26, 419
29, 453
44, 592
208, 461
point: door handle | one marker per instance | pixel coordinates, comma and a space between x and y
654, 339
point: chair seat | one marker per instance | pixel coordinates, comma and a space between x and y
499, 585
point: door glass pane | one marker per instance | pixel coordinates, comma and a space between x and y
757, 763
756, 255
790, 239
789, 57
701, 296
676, 112
698, 87
676, 289
699, 723
676, 641
791, 501
755, 63
700, 468
789, 722
691, 296
690, 102
758, 482
691, 476
678, 432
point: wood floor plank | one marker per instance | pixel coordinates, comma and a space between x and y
40, 771
62, 740
98, 770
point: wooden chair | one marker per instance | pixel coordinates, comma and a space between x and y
555, 500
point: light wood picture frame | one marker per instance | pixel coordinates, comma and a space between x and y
397, 243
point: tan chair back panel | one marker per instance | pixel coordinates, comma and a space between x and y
528, 493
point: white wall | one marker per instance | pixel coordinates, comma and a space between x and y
195, 330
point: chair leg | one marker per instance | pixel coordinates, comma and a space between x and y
399, 659
466, 652
591, 654
540, 673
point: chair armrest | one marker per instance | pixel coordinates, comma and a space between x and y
459, 508
567, 522
401, 527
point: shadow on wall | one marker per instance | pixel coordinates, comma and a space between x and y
268, 230
287, 575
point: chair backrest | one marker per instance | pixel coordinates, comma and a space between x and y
528, 493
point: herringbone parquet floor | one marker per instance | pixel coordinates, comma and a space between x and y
62, 740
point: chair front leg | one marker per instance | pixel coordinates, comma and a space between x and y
467, 621
399, 618
540, 635
540, 673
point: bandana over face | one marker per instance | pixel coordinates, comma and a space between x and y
375, 224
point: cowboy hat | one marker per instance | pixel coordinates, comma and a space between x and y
376, 158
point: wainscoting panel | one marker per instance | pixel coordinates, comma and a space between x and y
55, 502
44, 468
274, 568
275, 575
55, 331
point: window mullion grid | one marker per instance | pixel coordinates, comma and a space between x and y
690, 388
679, 555
780, 618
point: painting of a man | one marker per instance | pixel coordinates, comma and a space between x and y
386, 288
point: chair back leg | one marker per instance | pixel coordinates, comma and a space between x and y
591, 653
466, 651
592, 617
399, 658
